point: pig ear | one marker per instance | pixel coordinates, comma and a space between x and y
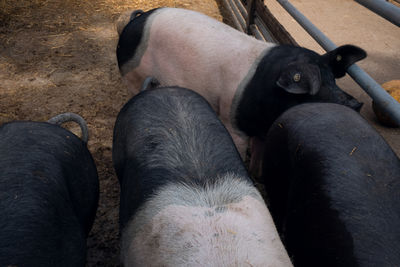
343, 57
300, 78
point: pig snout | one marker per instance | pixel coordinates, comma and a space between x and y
349, 101
354, 104
334, 94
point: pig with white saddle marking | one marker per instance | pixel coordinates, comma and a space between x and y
186, 198
49, 192
249, 83
333, 185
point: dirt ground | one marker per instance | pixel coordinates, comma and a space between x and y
59, 56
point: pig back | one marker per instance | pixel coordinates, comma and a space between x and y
168, 135
333, 185
48, 195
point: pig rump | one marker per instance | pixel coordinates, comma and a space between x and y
171, 135
219, 224
334, 188
48, 195
186, 198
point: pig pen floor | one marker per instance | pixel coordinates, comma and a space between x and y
62, 60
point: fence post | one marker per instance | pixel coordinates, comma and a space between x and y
251, 8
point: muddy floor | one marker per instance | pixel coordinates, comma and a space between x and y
59, 56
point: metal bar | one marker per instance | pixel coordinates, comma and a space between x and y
241, 8
264, 30
384, 9
239, 17
308, 26
279, 32
234, 19
251, 8
370, 86
257, 26
256, 32
385, 101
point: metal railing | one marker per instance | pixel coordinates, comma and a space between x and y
259, 21
384, 9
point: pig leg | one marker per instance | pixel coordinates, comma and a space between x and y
133, 81
241, 141
257, 152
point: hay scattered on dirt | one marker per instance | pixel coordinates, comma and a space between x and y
393, 88
208, 7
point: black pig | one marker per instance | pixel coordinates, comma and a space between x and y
48, 194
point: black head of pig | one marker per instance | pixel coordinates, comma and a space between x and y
287, 76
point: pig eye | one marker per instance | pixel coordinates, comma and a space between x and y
338, 57
297, 77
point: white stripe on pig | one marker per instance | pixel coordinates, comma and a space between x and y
225, 224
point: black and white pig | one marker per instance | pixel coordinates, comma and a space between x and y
48, 194
186, 198
248, 83
333, 185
